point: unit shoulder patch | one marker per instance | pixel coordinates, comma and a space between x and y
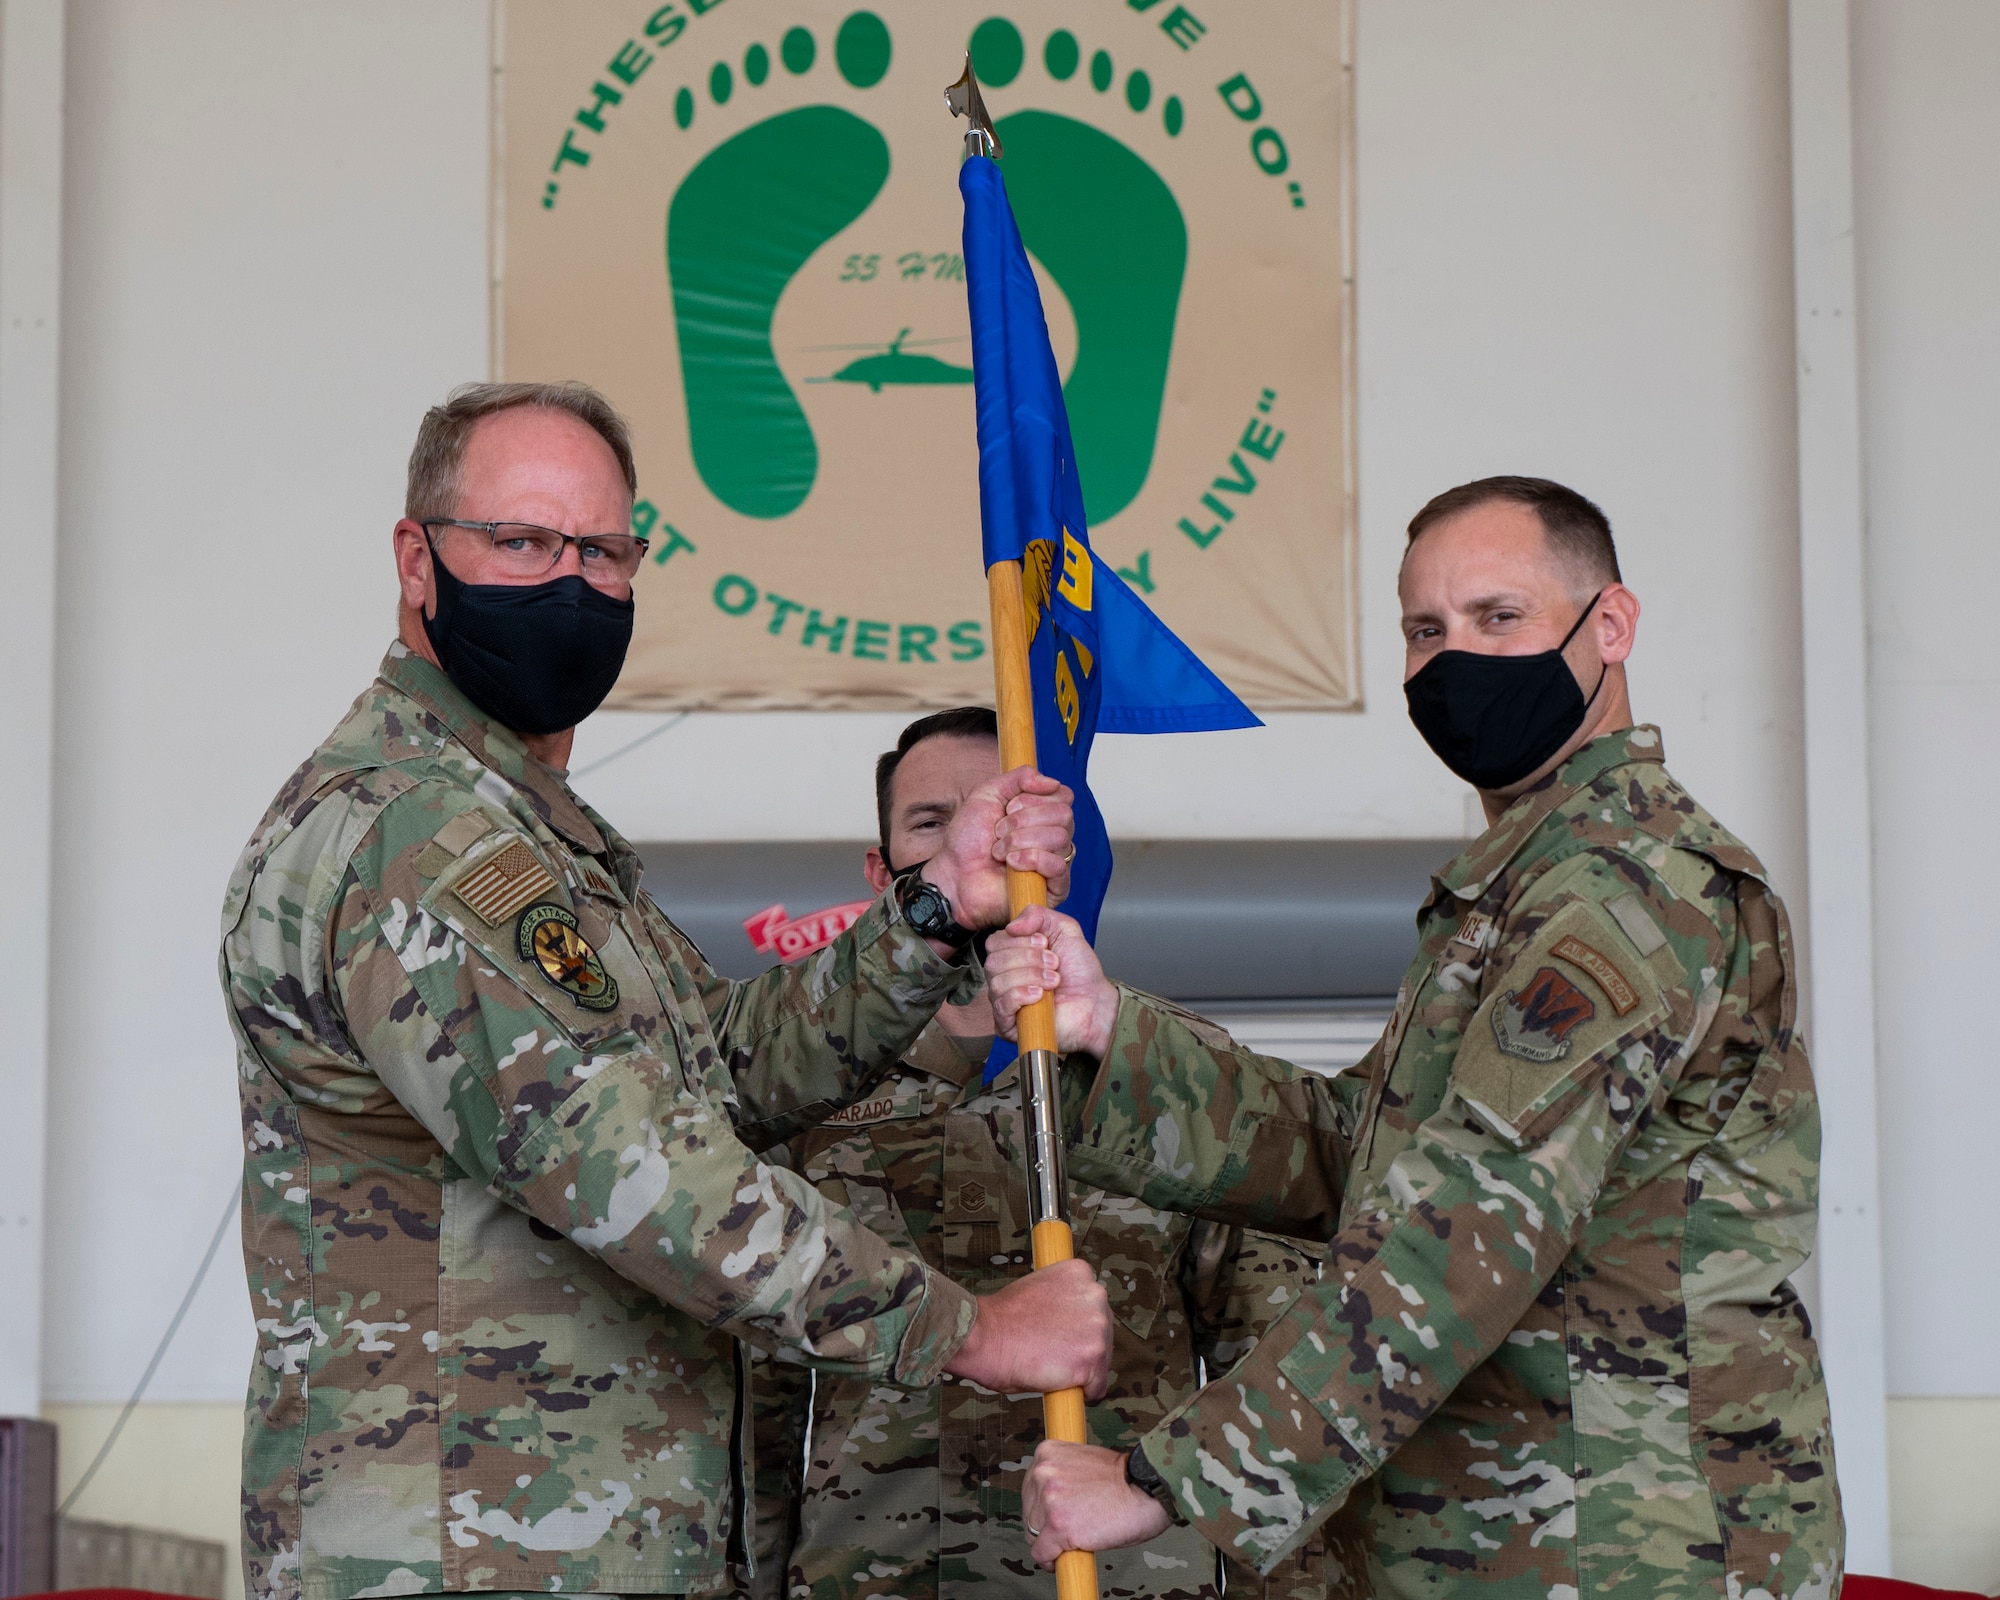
548, 936
1570, 995
1535, 1021
1587, 958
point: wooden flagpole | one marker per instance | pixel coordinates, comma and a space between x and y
1048, 1189
1041, 1103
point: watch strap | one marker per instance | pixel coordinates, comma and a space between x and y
1143, 1475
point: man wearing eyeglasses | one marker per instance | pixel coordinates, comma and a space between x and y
503, 1212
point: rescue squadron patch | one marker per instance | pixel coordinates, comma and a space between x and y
548, 936
1535, 1023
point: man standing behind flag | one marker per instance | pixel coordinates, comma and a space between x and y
1097, 658
916, 1493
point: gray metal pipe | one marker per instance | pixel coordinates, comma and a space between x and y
1195, 919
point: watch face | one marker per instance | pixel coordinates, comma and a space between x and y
927, 909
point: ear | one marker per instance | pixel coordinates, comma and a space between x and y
413, 567
1617, 623
875, 869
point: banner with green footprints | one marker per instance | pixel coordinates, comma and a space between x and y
740, 219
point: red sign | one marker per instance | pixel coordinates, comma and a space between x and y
772, 932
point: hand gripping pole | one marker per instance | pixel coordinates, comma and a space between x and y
1048, 1191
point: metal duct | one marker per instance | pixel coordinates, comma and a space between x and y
1195, 919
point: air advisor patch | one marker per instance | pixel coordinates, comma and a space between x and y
548, 936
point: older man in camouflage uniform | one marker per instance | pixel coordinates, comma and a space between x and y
916, 1494
503, 1214
1555, 1351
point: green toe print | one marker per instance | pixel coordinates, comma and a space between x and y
739, 228
1110, 233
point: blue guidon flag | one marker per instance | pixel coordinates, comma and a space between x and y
1099, 658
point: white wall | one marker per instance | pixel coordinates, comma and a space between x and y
275, 258
1573, 260
1927, 138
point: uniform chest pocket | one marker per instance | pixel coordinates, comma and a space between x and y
1386, 1052
849, 1172
1135, 1249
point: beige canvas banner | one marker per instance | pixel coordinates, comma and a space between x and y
741, 220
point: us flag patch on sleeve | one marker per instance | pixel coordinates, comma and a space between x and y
498, 887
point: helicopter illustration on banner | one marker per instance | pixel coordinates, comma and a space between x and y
892, 364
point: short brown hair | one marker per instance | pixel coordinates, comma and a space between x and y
962, 722
440, 448
1579, 533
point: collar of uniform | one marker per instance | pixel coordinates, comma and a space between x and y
499, 747
936, 1055
1468, 875
626, 864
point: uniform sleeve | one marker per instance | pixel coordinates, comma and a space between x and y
1180, 1116
617, 1140
1238, 1282
1594, 996
802, 1040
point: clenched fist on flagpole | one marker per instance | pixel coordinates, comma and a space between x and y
1044, 952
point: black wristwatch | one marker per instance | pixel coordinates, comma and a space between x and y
1143, 1475
925, 909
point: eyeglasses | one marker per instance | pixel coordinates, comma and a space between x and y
523, 550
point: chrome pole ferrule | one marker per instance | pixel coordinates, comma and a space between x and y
1041, 1105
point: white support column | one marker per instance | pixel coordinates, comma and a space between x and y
31, 127
1839, 844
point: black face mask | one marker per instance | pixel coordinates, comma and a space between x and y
1495, 719
536, 658
894, 870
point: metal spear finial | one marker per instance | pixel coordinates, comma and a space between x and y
963, 99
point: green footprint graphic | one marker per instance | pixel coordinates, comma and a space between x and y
739, 227
747, 218
1110, 233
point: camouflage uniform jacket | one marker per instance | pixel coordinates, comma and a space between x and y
1554, 1350
501, 1212
916, 1494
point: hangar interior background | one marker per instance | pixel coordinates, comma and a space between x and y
1728, 266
